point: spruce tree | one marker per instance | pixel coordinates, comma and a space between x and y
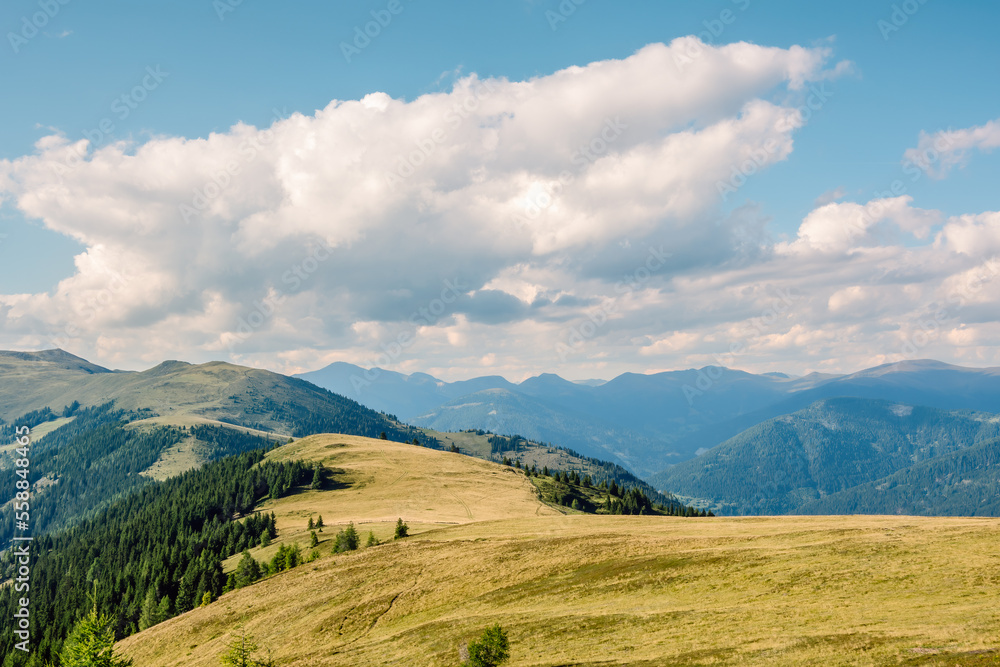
347, 539
491, 649
164, 610
92, 644
247, 570
402, 530
148, 616
242, 652
293, 556
313, 539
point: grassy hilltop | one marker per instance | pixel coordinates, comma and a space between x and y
575, 589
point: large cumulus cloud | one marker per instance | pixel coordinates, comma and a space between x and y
481, 226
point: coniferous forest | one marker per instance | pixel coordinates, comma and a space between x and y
152, 554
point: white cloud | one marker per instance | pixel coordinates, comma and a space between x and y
939, 152
838, 228
481, 227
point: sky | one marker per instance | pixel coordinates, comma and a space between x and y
474, 188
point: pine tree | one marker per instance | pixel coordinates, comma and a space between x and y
310, 526
317, 481
241, 653
277, 561
313, 539
347, 539
185, 595
319, 523
491, 649
148, 616
92, 644
247, 570
163, 610
402, 530
293, 556
372, 541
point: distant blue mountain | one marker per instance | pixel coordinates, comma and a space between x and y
648, 422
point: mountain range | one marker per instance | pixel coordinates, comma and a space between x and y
648, 423
176, 551
917, 436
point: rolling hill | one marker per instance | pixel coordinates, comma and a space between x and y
179, 393
98, 434
588, 590
811, 457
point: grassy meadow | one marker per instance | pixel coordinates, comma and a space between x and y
592, 590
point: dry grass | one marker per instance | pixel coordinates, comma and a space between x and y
175, 460
379, 481
596, 590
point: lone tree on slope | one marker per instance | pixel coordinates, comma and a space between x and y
491, 649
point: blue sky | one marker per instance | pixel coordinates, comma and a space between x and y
223, 67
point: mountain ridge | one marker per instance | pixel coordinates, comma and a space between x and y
649, 422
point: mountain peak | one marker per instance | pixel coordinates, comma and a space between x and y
56, 356
917, 366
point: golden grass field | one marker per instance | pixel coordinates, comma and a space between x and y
593, 590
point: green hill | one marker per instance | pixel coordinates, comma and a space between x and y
783, 464
180, 393
98, 434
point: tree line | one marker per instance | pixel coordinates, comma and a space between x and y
572, 490
600, 470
